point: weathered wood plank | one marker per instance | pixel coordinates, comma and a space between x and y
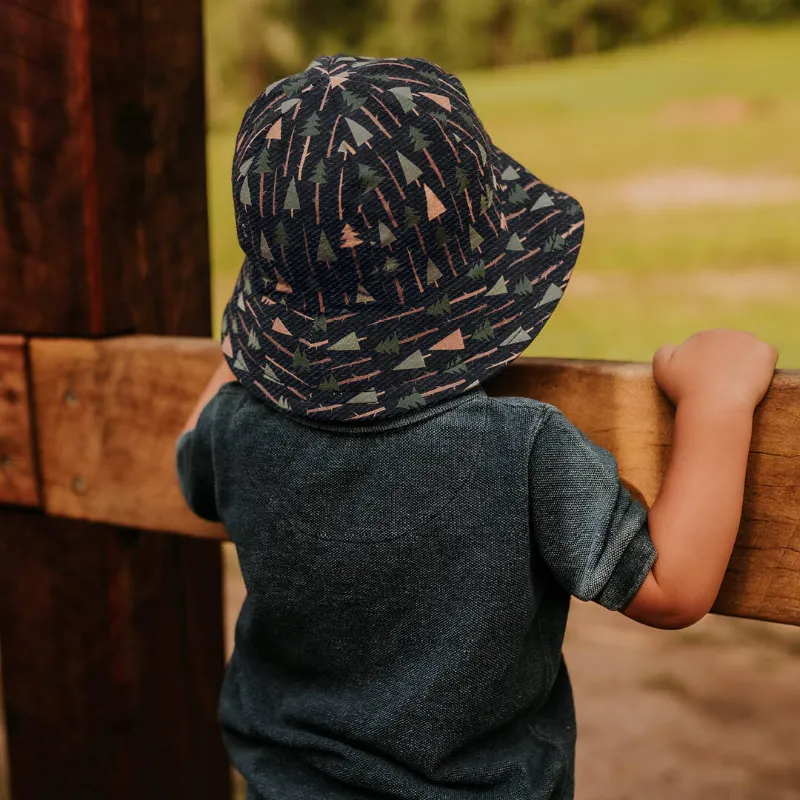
112, 638
108, 413
619, 407
138, 390
18, 482
106, 668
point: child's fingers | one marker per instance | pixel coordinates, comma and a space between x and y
661, 358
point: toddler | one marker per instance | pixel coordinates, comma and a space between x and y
410, 545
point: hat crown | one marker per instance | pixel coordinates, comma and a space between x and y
346, 174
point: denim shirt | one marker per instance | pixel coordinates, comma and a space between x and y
408, 584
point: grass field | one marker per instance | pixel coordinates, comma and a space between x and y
686, 158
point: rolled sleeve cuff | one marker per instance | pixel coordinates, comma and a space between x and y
632, 568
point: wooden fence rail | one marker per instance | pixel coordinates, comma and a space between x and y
107, 413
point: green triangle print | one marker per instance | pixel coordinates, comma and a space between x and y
514, 243
509, 174
349, 342
415, 361
403, 94
269, 374
519, 336
244, 194
370, 396
246, 166
288, 105
240, 302
552, 294
239, 364
360, 133
434, 273
410, 170
386, 235
544, 201
501, 287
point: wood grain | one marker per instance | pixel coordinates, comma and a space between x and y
112, 638
619, 407
103, 219
108, 414
137, 391
18, 481
111, 679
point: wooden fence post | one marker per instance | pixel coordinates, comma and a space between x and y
112, 639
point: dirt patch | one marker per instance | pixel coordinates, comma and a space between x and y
752, 284
692, 188
713, 111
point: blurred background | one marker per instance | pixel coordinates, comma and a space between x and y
676, 123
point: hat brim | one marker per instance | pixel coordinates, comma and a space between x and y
343, 373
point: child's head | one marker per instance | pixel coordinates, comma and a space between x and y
394, 257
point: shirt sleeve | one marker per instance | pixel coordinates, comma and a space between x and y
591, 533
195, 465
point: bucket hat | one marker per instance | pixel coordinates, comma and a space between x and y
394, 257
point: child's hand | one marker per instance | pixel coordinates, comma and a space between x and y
722, 369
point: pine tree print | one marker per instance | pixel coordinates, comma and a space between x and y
524, 286
325, 251
360, 133
478, 272
300, 360
411, 172
281, 239
350, 237
386, 236
509, 174
405, 97
293, 87
363, 296
456, 366
515, 243
484, 333
391, 265
573, 210
554, 242
412, 218
418, 139
369, 178
330, 384
421, 143
433, 275
518, 195
391, 344
318, 176
475, 239
461, 180
244, 194
352, 100
263, 167
252, 341
320, 323
266, 253
440, 307
434, 204
411, 401
248, 288
309, 129
239, 363
269, 374
292, 201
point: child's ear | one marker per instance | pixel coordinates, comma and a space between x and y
635, 493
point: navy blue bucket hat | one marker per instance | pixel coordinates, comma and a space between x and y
394, 257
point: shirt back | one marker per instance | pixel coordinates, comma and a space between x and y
408, 584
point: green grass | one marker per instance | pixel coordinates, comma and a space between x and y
589, 124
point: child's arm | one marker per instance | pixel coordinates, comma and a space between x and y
221, 376
715, 379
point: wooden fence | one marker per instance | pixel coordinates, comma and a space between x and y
110, 590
